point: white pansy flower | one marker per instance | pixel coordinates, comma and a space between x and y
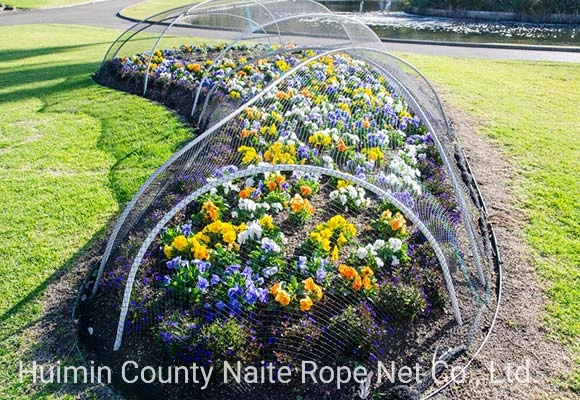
395, 244
379, 262
362, 253
277, 207
247, 205
253, 231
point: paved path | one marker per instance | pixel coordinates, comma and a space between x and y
104, 14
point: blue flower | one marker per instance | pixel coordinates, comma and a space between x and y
319, 75
268, 272
247, 272
220, 305
263, 295
166, 280
186, 229
214, 280
232, 269
251, 295
202, 266
235, 305
234, 292
270, 246
301, 264
174, 263
202, 283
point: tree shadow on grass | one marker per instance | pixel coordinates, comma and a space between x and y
76, 76
21, 54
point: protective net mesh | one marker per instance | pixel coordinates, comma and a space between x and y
322, 212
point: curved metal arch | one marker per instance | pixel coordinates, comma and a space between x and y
212, 130
280, 168
264, 26
187, 13
146, 23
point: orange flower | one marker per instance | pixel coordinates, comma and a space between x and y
312, 288
276, 288
317, 292
398, 223
367, 271
246, 193
341, 146
357, 284
297, 203
366, 124
309, 208
283, 297
366, 281
305, 190
305, 304
347, 272
211, 210
309, 284
307, 93
245, 133
272, 185
201, 253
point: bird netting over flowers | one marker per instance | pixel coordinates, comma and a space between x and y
321, 212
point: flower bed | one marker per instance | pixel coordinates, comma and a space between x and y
280, 266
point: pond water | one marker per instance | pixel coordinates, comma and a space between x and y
399, 25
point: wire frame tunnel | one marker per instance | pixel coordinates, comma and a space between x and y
270, 31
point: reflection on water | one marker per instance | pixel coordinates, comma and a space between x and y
399, 25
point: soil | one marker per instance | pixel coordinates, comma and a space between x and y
520, 333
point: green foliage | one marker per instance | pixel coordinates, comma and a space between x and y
355, 328
209, 344
404, 302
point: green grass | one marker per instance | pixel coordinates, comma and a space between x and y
42, 3
151, 7
72, 152
532, 109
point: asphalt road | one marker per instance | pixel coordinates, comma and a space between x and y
104, 14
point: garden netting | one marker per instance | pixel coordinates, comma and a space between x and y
322, 211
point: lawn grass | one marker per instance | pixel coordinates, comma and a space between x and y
42, 3
72, 152
533, 110
151, 7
